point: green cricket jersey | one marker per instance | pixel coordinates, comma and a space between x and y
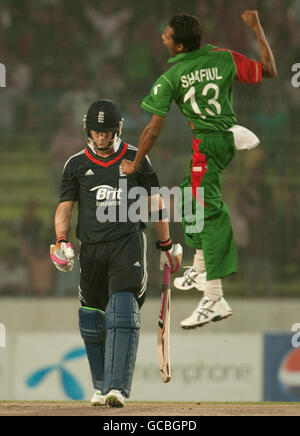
200, 83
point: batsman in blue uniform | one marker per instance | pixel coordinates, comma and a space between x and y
113, 275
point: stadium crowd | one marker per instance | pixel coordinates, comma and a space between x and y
62, 54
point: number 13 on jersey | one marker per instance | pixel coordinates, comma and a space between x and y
191, 95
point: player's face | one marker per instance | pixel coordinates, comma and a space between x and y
168, 41
102, 139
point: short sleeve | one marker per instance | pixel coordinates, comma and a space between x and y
248, 70
69, 186
147, 177
159, 100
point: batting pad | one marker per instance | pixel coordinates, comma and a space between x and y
122, 319
92, 329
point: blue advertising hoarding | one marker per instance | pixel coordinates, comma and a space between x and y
281, 368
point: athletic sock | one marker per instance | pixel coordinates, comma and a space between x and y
214, 289
199, 263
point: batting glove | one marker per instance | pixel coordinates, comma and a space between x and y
62, 255
170, 255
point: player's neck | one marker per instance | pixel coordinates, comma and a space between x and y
106, 153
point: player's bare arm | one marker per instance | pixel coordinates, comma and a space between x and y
269, 69
62, 252
63, 219
170, 255
147, 141
156, 204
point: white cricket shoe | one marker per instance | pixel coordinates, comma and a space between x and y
190, 279
115, 398
206, 311
98, 399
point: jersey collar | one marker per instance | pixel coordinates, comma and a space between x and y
191, 54
105, 162
116, 145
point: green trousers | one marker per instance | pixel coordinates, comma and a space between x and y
212, 152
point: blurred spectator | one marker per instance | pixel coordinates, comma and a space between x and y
94, 56
282, 26
3, 47
30, 226
134, 119
109, 83
78, 98
8, 102
33, 239
14, 279
46, 37
110, 22
207, 20
230, 31
67, 141
39, 266
43, 107
20, 73
139, 53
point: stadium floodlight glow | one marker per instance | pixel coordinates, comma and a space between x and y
2, 76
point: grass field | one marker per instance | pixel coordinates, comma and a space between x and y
39, 408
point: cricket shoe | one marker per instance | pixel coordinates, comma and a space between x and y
98, 399
206, 311
190, 279
115, 398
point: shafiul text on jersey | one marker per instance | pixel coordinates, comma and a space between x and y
205, 74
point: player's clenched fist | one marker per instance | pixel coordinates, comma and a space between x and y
127, 167
251, 18
62, 255
170, 255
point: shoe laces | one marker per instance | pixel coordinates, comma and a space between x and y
189, 275
201, 309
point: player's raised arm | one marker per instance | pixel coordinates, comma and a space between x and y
269, 69
147, 140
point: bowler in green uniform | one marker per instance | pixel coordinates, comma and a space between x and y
200, 82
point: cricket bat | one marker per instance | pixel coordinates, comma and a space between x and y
163, 331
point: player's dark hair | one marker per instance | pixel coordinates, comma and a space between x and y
187, 31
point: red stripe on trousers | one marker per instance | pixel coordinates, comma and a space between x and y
199, 160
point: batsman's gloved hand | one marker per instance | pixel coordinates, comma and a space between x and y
62, 255
170, 255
